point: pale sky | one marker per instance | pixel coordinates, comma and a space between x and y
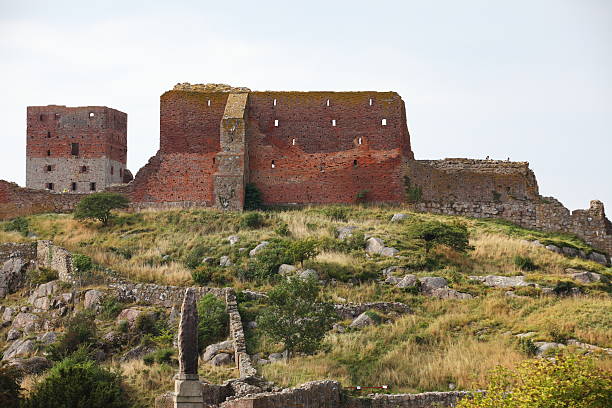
530, 80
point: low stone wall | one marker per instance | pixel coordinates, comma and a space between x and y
424, 400
159, 295
56, 258
242, 358
25, 251
316, 394
17, 201
352, 310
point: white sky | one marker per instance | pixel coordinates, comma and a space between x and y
525, 79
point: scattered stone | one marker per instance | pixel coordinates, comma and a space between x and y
548, 291
251, 325
543, 346
222, 359
590, 347
208, 260
275, 357
431, 283
214, 349
129, 315
588, 277
263, 361
393, 269
389, 251
19, 348
48, 338
569, 251
308, 274
33, 365
393, 280
524, 335
233, 239
285, 270
45, 289
225, 261
43, 303
7, 315
27, 322
345, 232
398, 217
113, 338
407, 281
361, 321
374, 246
537, 243
258, 248
338, 328
137, 353
448, 293
599, 258
554, 248
242, 388
13, 334
92, 299
501, 281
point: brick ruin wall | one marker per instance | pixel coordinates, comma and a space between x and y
101, 136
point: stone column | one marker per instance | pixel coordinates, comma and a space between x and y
187, 387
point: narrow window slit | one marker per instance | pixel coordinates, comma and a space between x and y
333, 122
384, 122
273, 164
275, 122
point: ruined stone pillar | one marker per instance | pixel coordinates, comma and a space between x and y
187, 387
231, 176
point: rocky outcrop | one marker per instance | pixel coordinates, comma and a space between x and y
352, 310
501, 281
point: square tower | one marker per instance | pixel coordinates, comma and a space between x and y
75, 149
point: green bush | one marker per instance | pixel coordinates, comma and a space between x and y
19, 224
82, 263
79, 331
297, 315
565, 381
433, 233
110, 307
252, 220
42, 275
336, 213
524, 263
98, 206
195, 256
280, 251
10, 378
252, 197
302, 249
527, 346
161, 356
283, 229
206, 274
146, 323
79, 384
214, 321
563, 288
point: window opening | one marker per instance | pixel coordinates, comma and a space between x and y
371, 102
293, 142
91, 114
112, 170
208, 102
327, 103
276, 122
83, 169
74, 186
48, 134
41, 118
74, 149
49, 186
354, 163
49, 168
333, 122
48, 152
359, 141
92, 186
273, 164
274, 102
384, 122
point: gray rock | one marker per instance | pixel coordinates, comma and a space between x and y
308, 274
263, 361
398, 217
233, 239
501, 281
208, 260
27, 322
113, 338
214, 349
42, 303
32, 366
225, 261
554, 248
275, 357
389, 251
241, 388
392, 280
537, 243
394, 269
129, 315
45, 289
407, 281
431, 283
137, 353
19, 348
222, 359
527, 334
258, 248
588, 277
543, 346
448, 293
548, 291
7, 315
361, 321
345, 232
599, 258
12, 275
48, 338
13, 334
92, 299
285, 270
338, 328
251, 325
374, 246
568, 251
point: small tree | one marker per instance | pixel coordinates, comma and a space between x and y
214, 320
297, 315
434, 233
303, 249
98, 206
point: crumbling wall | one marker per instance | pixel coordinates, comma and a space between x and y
56, 258
241, 357
17, 201
159, 295
316, 394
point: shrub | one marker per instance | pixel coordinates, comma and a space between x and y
564, 288
297, 315
336, 213
80, 331
161, 356
205, 274
252, 220
42, 275
282, 229
110, 307
303, 249
267, 261
195, 256
565, 381
146, 323
433, 233
214, 321
10, 378
79, 384
82, 263
19, 224
524, 263
527, 346
252, 197
98, 206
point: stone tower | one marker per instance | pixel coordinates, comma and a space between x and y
76, 150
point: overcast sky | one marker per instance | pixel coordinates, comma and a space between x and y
530, 80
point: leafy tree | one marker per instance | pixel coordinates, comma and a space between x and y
78, 383
214, 320
303, 249
434, 233
297, 315
570, 381
10, 377
252, 197
99, 206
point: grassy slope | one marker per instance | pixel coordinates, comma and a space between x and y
445, 341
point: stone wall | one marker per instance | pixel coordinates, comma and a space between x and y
316, 394
159, 295
17, 201
241, 357
424, 400
25, 251
56, 258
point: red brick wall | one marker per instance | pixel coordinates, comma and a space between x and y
327, 164
55, 128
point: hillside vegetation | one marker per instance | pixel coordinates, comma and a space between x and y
443, 344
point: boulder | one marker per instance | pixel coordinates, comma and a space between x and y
214, 349
19, 348
525, 335
113, 338
92, 299
32, 365
225, 261
448, 293
276, 357
393, 280
389, 251
27, 322
407, 281
501, 281
7, 315
208, 260
588, 277
431, 283
263, 361
374, 245
599, 258
13, 334
398, 217
258, 248
233, 239
137, 352
569, 251
251, 325
45, 289
222, 359
285, 270
338, 328
345, 232
308, 274
361, 321
394, 269
42, 303
241, 388
554, 248
48, 338
130, 315
12, 275
543, 346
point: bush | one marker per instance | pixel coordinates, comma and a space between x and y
110, 307
10, 378
98, 206
283, 229
252, 197
297, 315
82, 263
433, 233
303, 249
146, 323
195, 256
80, 331
42, 275
214, 321
566, 381
252, 220
336, 213
161, 356
527, 346
564, 288
19, 224
278, 252
206, 274
78, 384
524, 263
